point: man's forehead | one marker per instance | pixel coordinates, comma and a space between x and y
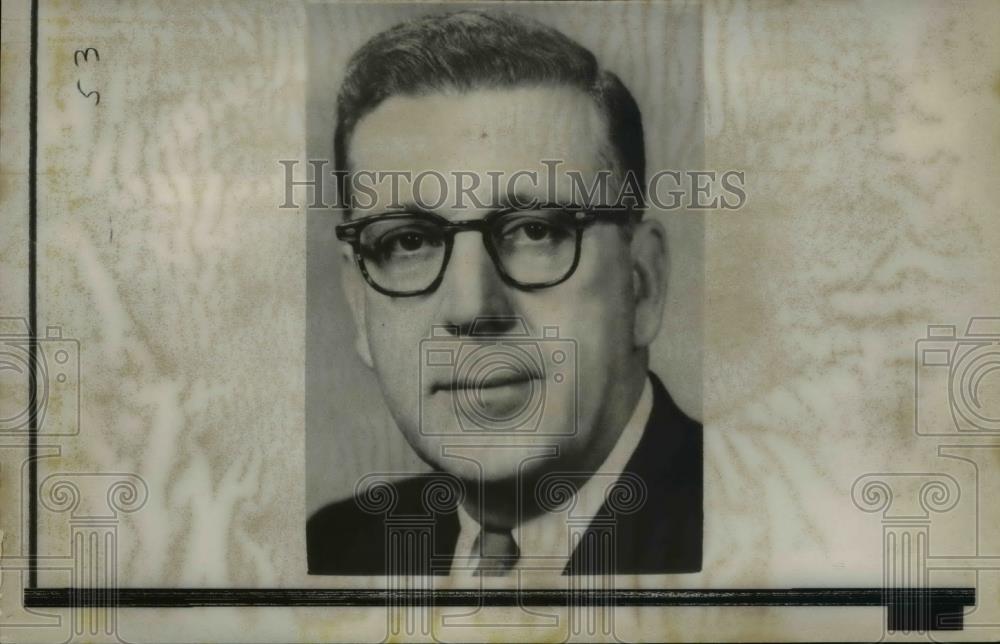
482, 130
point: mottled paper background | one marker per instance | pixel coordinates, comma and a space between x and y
869, 133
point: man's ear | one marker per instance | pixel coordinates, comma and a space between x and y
649, 279
354, 290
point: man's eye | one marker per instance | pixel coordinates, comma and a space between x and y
404, 242
408, 241
533, 231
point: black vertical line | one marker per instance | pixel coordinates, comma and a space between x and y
32, 303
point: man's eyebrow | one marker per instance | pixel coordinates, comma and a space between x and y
512, 199
411, 207
517, 199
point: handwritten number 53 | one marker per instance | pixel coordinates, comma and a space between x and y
84, 55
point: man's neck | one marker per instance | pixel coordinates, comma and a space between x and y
505, 503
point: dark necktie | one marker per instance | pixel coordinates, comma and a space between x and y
497, 552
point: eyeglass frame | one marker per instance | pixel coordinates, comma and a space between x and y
350, 232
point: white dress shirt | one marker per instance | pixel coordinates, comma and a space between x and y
544, 540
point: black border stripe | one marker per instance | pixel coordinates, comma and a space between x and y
32, 303
192, 597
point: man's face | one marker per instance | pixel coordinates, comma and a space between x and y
594, 311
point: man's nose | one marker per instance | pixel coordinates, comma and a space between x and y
472, 290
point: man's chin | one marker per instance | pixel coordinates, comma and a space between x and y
497, 463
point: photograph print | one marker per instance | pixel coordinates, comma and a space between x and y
503, 323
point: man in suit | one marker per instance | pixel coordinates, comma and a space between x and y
507, 311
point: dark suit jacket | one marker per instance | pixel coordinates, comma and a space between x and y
352, 537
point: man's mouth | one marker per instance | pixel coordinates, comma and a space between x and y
498, 379
493, 399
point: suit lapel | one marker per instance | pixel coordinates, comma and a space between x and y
665, 534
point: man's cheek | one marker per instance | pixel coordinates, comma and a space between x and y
599, 291
393, 323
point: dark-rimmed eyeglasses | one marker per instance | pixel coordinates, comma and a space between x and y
403, 254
